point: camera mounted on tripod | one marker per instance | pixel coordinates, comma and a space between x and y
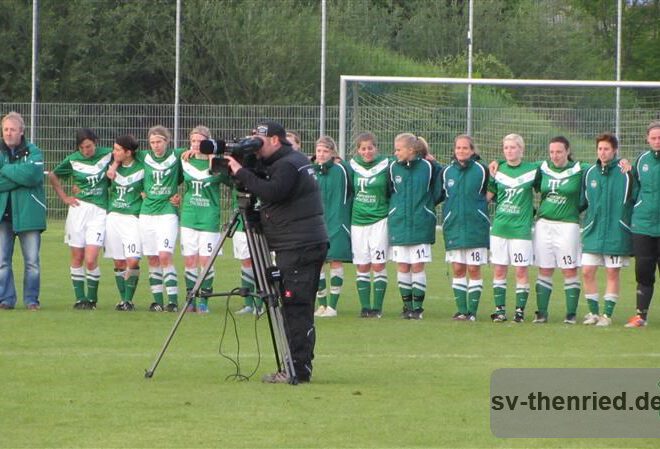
243, 150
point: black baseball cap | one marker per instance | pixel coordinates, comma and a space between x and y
269, 129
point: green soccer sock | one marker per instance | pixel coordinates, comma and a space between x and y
171, 284
543, 293
522, 294
418, 289
336, 283
380, 287
499, 293
363, 289
78, 281
592, 302
156, 284
247, 281
322, 291
207, 283
120, 280
405, 283
610, 303
191, 277
132, 277
572, 292
459, 286
93, 279
475, 287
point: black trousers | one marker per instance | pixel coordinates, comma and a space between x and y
300, 270
647, 257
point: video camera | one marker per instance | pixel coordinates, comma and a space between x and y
243, 150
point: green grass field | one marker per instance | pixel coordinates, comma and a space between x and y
75, 378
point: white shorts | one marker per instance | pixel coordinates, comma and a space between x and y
515, 252
600, 260
158, 233
412, 253
241, 249
194, 242
467, 256
370, 243
122, 237
557, 244
85, 225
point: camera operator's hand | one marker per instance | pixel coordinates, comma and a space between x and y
234, 165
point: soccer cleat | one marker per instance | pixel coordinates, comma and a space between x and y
471, 317
519, 316
82, 305
245, 310
91, 305
416, 314
171, 307
590, 318
329, 313
540, 318
458, 316
498, 317
405, 313
276, 378
320, 311
636, 321
375, 313
604, 321
191, 307
570, 319
365, 313
202, 308
155, 307
125, 306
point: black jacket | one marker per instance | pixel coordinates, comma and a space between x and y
291, 208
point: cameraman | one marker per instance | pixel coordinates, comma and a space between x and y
292, 220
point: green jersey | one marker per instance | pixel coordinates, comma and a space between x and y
200, 208
560, 192
126, 189
88, 174
161, 179
513, 188
371, 186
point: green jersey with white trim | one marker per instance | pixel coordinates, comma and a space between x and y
371, 186
560, 189
514, 193
88, 174
200, 207
162, 176
126, 189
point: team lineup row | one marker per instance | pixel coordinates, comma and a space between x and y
377, 208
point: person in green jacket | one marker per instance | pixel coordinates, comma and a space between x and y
85, 220
645, 223
23, 211
416, 190
606, 237
466, 225
369, 241
337, 194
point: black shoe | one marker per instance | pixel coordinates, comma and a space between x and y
91, 305
82, 305
171, 307
125, 306
155, 307
365, 313
498, 317
519, 317
540, 318
416, 314
375, 313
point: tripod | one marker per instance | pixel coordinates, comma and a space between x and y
267, 280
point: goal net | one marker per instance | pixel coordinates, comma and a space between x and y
439, 109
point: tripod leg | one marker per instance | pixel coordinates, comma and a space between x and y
193, 293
